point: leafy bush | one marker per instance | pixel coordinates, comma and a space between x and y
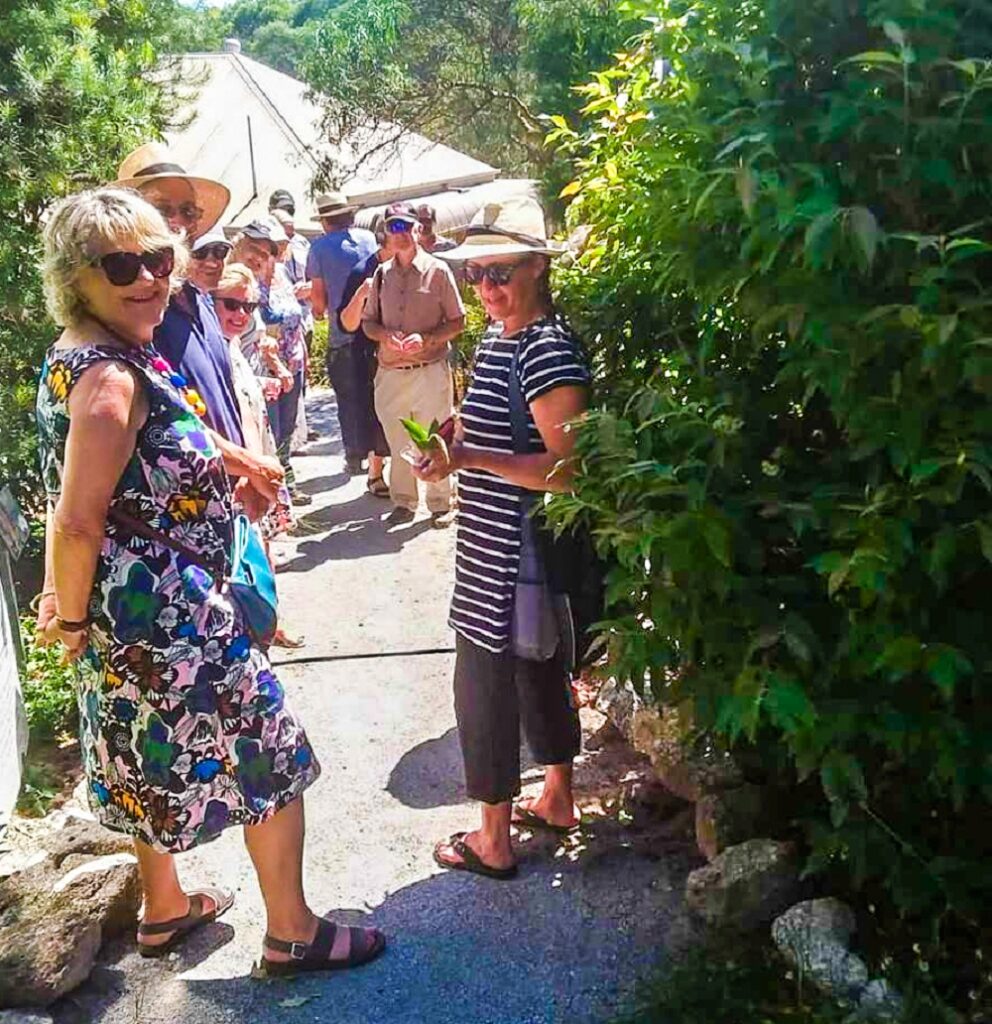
317, 368
787, 288
74, 98
49, 690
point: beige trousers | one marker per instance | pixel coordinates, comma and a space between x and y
425, 394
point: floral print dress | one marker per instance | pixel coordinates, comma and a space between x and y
184, 728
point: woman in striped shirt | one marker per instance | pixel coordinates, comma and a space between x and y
506, 256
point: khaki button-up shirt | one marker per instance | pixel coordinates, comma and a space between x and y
413, 300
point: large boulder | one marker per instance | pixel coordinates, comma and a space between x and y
689, 770
731, 816
746, 886
79, 888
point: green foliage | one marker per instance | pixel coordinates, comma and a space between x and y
475, 75
786, 286
73, 101
317, 369
49, 691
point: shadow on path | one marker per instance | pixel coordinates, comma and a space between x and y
563, 942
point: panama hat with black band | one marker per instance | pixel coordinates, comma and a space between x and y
332, 204
512, 227
154, 162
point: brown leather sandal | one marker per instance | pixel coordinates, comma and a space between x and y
183, 927
316, 955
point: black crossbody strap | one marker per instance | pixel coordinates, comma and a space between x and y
142, 529
519, 420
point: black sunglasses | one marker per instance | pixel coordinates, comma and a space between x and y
234, 305
398, 227
122, 268
498, 274
216, 251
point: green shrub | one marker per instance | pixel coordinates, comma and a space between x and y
787, 286
49, 690
317, 368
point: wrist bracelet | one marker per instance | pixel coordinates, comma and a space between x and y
35, 603
68, 626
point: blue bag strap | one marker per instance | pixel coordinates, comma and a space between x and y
519, 420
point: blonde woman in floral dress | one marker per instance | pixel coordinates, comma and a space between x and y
184, 728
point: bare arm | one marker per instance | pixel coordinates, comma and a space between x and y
107, 408
318, 298
547, 471
350, 317
263, 472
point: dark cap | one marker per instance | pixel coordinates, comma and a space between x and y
401, 211
282, 200
267, 230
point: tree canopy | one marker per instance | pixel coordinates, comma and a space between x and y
75, 96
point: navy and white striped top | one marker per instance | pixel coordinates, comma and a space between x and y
488, 551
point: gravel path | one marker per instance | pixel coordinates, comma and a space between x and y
562, 943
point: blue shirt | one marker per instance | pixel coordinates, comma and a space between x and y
189, 338
332, 258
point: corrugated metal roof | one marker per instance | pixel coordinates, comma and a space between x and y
247, 117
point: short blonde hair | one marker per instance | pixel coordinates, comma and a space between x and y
237, 275
82, 226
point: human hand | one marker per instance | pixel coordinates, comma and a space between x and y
74, 641
412, 343
266, 476
286, 381
440, 463
46, 612
251, 500
271, 388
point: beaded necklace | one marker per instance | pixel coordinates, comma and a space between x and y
191, 395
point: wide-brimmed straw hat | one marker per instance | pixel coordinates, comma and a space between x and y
511, 227
154, 162
330, 204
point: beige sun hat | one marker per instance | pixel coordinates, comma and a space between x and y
154, 162
511, 227
330, 204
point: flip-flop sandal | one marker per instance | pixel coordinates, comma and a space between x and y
521, 816
183, 927
377, 487
287, 642
470, 860
315, 956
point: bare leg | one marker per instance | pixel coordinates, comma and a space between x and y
276, 849
376, 465
556, 804
492, 841
164, 899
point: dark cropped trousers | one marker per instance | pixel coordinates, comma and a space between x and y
497, 695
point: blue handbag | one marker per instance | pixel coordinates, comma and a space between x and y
251, 582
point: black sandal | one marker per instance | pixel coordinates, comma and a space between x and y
183, 927
377, 487
523, 818
470, 860
315, 956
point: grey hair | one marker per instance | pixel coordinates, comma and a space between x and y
83, 226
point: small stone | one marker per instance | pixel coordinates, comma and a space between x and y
880, 1002
646, 801
746, 886
813, 936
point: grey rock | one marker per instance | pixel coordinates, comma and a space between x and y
56, 913
24, 1017
647, 801
880, 1002
813, 936
731, 816
618, 702
746, 886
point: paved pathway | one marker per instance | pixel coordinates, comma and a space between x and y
561, 943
